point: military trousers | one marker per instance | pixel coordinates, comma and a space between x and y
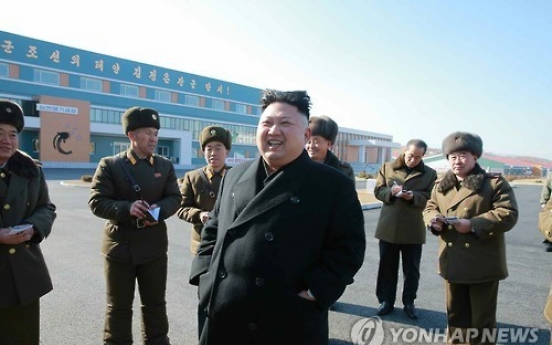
121, 280
471, 310
20, 325
388, 271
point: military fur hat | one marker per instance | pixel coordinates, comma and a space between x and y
324, 127
214, 133
463, 141
137, 117
12, 114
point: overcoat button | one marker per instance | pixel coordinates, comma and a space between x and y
491, 233
2, 175
294, 199
449, 244
27, 246
269, 236
12, 250
222, 274
467, 245
7, 207
450, 227
259, 281
252, 327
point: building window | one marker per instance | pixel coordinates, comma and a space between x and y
163, 151
91, 84
46, 77
241, 108
4, 70
129, 90
36, 146
119, 147
192, 100
162, 96
217, 104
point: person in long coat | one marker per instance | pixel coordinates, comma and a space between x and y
199, 187
470, 210
284, 240
404, 186
546, 230
125, 188
24, 276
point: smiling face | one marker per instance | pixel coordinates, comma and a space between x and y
215, 154
281, 134
9, 142
143, 141
318, 147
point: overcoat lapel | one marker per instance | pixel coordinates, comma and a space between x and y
455, 197
276, 192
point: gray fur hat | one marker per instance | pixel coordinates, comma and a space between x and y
463, 141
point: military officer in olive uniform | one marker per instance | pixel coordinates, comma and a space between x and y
200, 187
323, 134
124, 189
472, 253
403, 185
24, 277
546, 229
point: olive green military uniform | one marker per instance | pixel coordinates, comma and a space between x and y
546, 230
199, 191
24, 277
472, 264
134, 253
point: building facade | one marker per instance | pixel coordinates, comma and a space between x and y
73, 101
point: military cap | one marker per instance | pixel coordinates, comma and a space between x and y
214, 133
137, 117
463, 141
324, 127
12, 114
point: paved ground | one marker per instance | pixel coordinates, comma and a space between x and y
73, 313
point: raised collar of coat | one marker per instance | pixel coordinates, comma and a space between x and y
133, 158
210, 172
473, 181
399, 163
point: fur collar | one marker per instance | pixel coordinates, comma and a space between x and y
399, 163
24, 165
473, 181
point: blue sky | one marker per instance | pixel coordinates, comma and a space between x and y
410, 68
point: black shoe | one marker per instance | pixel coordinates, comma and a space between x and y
548, 248
385, 308
410, 311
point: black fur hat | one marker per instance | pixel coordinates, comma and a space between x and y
463, 141
137, 117
324, 127
12, 114
214, 133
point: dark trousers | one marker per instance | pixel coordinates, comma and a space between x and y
386, 286
121, 279
471, 306
20, 325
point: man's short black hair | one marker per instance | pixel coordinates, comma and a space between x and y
300, 99
419, 143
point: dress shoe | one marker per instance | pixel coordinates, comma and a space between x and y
385, 308
548, 246
410, 311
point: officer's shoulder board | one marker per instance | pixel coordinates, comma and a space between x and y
493, 174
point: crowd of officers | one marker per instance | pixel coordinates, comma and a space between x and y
275, 240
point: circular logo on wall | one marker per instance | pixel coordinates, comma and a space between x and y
367, 331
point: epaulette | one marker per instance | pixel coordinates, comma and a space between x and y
493, 174
344, 164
